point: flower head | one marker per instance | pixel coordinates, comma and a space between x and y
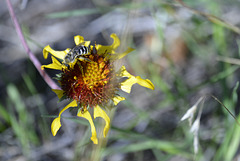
88, 78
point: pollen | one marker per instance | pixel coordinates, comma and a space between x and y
90, 83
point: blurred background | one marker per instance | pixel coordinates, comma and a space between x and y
177, 46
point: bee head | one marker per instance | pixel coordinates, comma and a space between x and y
67, 59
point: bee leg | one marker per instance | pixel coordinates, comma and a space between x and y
84, 59
94, 50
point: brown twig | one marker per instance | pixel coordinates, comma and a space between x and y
32, 57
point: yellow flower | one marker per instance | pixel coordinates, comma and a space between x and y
89, 80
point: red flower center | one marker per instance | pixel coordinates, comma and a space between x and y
90, 83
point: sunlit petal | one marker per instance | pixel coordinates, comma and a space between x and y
128, 83
58, 92
71, 104
85, 114
55, 65
98, 112
57, 54
87, 43
144, 82
126, 86
56, 124
116, 41
78, 39
101, 49
109, 49
124, 72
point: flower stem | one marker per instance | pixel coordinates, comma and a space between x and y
32, 57
97, 152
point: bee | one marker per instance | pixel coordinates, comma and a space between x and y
77, 52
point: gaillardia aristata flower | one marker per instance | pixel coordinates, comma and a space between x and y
90, 80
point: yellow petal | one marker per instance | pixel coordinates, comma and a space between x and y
116, 41
78, 39
145, 82
55, 65
120, 56
58, 92
85, 114
71, 104
98, 112
57, 54
87, 43
128, 83
115, 56
117, 99
109, 49
124, 72
103, 49
56, 124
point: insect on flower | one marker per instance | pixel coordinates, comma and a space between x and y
77, 53
89, 79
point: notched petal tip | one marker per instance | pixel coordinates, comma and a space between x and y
46, 51
113, 35
54, 65
85, 114
145, 82
98, 112
94, 139
78, 39
57, 54
116, 41
128, 83
56, 124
